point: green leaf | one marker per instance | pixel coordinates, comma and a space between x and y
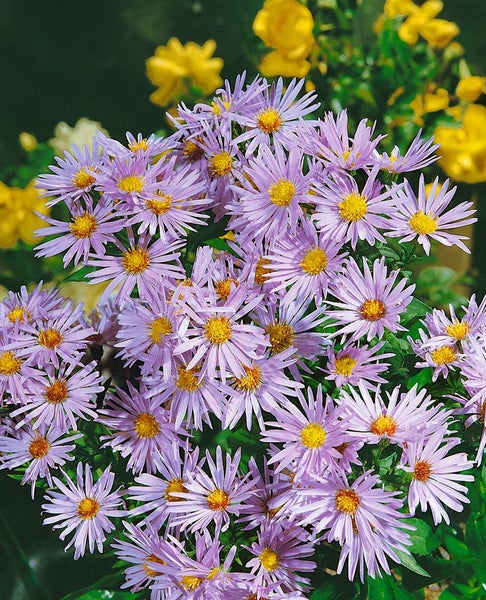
407, 560
107, 595
423, 539
415, 309
79, 274
218, 243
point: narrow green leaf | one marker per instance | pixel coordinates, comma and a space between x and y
407, 560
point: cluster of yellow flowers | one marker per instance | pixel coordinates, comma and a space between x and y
18, 214
175, 66
286, 26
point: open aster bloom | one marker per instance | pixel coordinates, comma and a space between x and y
348, 213
217, 337
428, 216
83, 507
139, 426
420, 154
25, 307
280, 556
353, 364
142, 265
436, 475
43, 449
269, 195
211, 498
61, 396
362, 517
400, 419
304, 264
442, 357
276, 112
309, 432
370, 302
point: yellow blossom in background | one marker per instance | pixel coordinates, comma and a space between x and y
421, 22
80, 135
174, 64
394, 8
470, 88
27, 141
463, 149
18, 218
286, 26
433, 100
439, 32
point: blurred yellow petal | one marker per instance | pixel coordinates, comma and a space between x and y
277, 63
470, 88
439, 32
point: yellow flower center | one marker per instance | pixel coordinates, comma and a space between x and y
458, 330
372, 310
18, 314
314, 261
218, 499
353, 207
193, 151
191, 582
39, 447
88, 508
443, 355
281, 336
269, 559
261, 270
344, 365
135, 261
223, 287
9, 363
139, 145
269, 120
313, 435
83, 225
213, 571
152, 558
174, 485
383, 425
57, 392
422, 470
216, 106
131, 183
218, 330
159, 328
347, 501
82, 179
422, 224
50, 338
281, 192
159, 207
187, 380
146, 426
221, 164
251, 381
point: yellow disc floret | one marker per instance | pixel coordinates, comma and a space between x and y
135, 261
314, 261
159, 207
9, 363
218, 499
269, 559
353, 207
39, 447
347, 500
88, 508
383, 425
443, 355
191, 582
173, 486
458, 330
422, 470
251, 381
146, 425
220, 164
281, 192
422, 223
269, 120
218, 330
159, 328
372, 310
344, 365
187, 379
50, 338
82, 179
313, 435
281, 336
57, 392
131, 184
82, 226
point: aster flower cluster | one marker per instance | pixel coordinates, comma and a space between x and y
246, 374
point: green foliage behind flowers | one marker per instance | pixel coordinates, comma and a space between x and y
259, 406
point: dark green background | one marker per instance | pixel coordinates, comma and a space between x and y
61, 60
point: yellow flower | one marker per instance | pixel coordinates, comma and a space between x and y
286, 26
80, 135
174, 64
433, 100
409, 30
463, 149
393, 8
439, 32
27, 141
470, 88
18, 218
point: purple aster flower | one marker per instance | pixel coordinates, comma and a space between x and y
26, 307
263, 387
217, 336
277, 111
362, 517
369, 302
145, 552
436, 475
153, 493
60, 396
428, 216
89, 230
442, 357
142, 265
348, 213
43, 449
83, 507
280, 556
269, 195
419, 155
139, 426
211, 498
73, 177
152, 146
400, 419
304, 264
309, 432
353, 364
